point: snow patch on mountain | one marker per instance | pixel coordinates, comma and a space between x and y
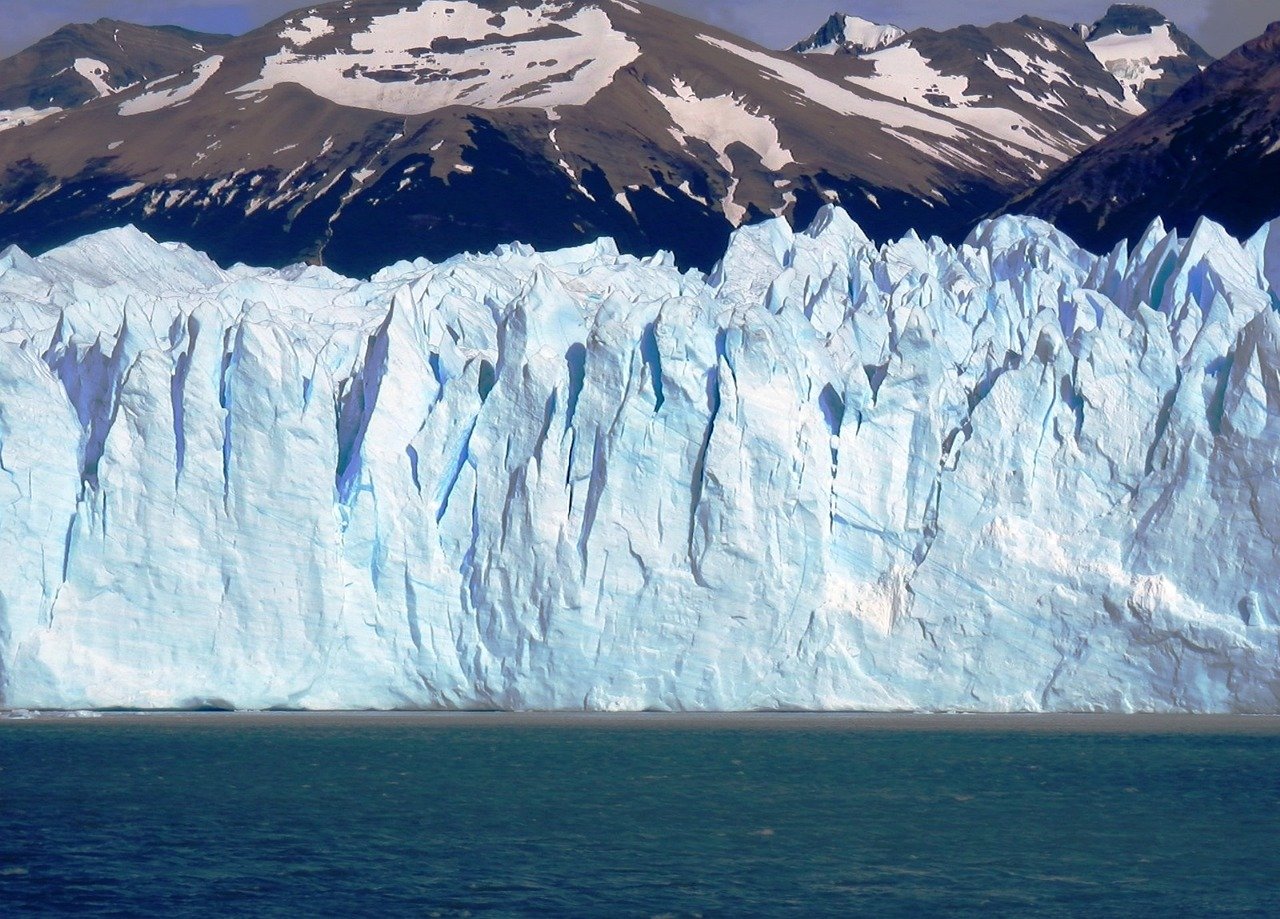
159, 99
817, 89
721, 121
96, 73
303, 31
1133, 59
902, 72
1009, 475
127, 191
461, 54
864, 35
1024, 65
1044, 68
16, 118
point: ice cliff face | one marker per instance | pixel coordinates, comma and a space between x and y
1010, 475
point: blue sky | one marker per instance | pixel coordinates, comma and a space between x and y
1218, 24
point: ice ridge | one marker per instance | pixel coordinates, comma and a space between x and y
1008, 475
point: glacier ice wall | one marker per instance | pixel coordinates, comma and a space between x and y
1006, 476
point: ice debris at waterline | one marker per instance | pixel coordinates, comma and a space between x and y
1011, 475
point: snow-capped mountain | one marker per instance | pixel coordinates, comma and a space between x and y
845, 34
1148, 54
361, 131
1031, 83
1005, 476
1213, 149
1035, 85
80, 63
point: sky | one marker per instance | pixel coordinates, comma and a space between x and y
1219, 25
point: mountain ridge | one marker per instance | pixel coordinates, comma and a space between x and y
81, 62
609, 118
1210, 150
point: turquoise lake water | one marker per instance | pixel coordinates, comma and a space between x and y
401, 817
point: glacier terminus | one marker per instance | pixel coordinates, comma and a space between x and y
1009, 475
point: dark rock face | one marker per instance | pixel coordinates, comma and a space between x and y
1127, 19
1213, 149
830, 33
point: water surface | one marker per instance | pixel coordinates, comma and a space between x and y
495, 816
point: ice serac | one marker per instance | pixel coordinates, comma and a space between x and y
1009, 475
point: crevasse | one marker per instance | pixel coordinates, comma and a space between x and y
1005, 476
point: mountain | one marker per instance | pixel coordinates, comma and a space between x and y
1031, 83
1148, 54
1213, 149
844, 34
358, 132
1004, 476
80, 63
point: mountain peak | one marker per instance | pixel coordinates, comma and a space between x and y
1146, 52
1127, 19
85, 61
1266, 43
849, 34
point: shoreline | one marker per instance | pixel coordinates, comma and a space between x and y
1016, 722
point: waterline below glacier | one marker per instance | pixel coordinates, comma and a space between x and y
1138, 724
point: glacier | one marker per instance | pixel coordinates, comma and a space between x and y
1005, 476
